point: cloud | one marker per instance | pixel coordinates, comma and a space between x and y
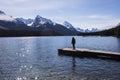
36, 4
17, 0
87, 22
41, 5
80, 13
100, 17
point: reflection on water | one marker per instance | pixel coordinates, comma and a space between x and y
73, 63
36, 58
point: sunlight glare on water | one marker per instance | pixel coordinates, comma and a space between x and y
36, 58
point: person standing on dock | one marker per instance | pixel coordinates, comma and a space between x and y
73, 42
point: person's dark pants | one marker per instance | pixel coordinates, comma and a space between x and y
73, 46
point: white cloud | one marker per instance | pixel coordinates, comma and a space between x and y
17, 0
36, 4
41, 5
100, 17
87, 22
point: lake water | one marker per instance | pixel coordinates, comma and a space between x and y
36, 58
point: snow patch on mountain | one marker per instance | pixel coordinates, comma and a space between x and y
80, 30
69, 26
38, 21
87, 30
94, 30
28, 22
43, 20
6, 17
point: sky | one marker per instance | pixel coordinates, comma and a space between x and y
101, 14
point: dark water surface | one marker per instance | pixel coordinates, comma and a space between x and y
36, 58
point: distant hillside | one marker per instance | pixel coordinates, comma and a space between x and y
109, 32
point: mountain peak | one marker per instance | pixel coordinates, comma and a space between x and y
88, 30
41, 21
38, 16
26, 21
69, 26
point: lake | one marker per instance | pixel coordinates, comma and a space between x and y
36, 58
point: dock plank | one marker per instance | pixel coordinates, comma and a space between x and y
80, 52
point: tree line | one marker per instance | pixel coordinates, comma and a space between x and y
109, 32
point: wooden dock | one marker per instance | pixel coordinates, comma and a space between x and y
80, 52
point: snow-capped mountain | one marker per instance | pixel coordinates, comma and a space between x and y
87, 30
39, 21
69, 26
80, 30
45, 24
11, 23
28, 22
91, 30
39, 24
94, 30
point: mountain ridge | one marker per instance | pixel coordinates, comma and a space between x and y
108, 32
40, 26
